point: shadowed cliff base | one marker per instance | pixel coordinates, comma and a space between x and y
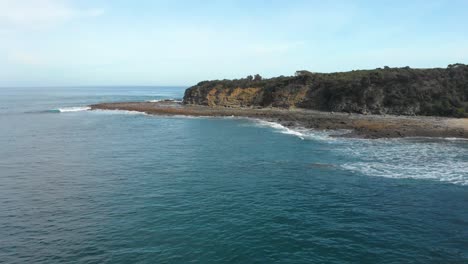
366, 126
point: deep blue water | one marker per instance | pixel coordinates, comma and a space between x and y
121, 187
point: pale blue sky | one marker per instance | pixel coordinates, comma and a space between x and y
150, 42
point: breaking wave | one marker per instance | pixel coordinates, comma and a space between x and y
117, 112
164, 100
431, 159
70, 109
439, 159
300, 132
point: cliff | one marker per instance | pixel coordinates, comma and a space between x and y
398, 91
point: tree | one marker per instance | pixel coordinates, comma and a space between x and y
303, 73
257, 77
455, 65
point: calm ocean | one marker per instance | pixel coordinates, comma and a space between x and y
81, 186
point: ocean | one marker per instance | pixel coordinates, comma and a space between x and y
80, 186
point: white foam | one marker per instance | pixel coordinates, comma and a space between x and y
162, 100
118, 112
453, 172
187, 116
432, 160
300, 132
439, 159
72, 109
455, 139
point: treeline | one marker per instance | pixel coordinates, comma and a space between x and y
403, 91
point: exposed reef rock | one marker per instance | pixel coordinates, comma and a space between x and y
397, 91
367, 126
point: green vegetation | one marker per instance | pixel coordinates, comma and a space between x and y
401, 91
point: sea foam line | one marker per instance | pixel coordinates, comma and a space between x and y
164, 100
395, 158
71, 109
117, 111
451, 172
300, 132
405, 159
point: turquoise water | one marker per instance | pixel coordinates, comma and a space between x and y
122, 187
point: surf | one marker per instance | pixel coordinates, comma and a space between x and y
70, 109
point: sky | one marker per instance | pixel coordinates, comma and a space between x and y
156, 42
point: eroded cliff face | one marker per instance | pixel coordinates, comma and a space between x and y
400, 91
244, 97
235, 97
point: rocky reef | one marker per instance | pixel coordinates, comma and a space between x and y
397, 91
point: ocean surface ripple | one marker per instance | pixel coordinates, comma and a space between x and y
121, 187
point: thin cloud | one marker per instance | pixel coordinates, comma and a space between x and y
25, 58
94, 12
283, 47
33, 14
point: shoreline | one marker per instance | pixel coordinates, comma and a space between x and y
361, 126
